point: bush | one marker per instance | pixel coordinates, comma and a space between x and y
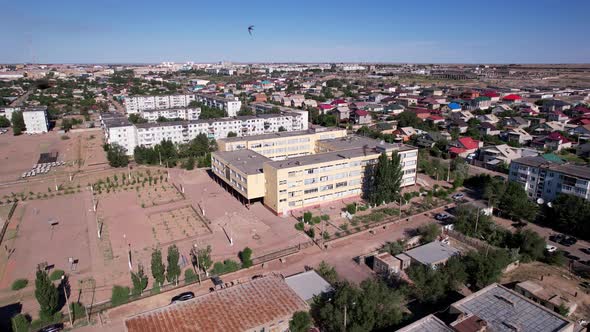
119, 295
78, 310
307, 217
56, 275
299, 226
246, 257
189, 276
351, 208
20, 323
316, 220
19, 284
311, 233
325, 217
227, 266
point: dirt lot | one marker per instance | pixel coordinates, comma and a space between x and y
555, 281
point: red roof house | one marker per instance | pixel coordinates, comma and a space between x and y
512, 98
464, 146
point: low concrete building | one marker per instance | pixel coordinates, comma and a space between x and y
263, 304
386, 264
308, 284
545, 297
36, 119
433, 254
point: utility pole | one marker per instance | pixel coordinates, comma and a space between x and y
476, 220
63, 278
344, 329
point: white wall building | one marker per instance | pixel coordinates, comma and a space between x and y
188, 114
137, 104
7, 112
545, 179
231, 106
36, 119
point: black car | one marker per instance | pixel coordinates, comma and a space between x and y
585, 250
557, 238
183, 297
442, 217
572, 257
52, 328
569, 240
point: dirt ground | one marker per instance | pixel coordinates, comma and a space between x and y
555, 280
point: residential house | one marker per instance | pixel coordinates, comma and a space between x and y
551, 298
429, 139
517, 135
309, 103
512, 98
583, 150
464, 146
342, 113
501, 109
494, 96
454, 107
482, 103
394, 109
553, 105
583, 130
405, 133
516, 122
488, 129
489, 118
361, 117
260, 97
459, 125
408, 101
435, 119
495, 156
558, 116
433, 255
555, 141
462, 115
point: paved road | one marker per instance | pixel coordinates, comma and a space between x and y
117, 104
20, 100
545, 232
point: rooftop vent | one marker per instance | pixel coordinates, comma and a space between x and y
506, 300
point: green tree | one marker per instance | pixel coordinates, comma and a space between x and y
246, 257
116, 156
429, 285
173, 270
119, 295
46, 294
455, 272
386, 180
18, 123
514, 201
190, 163
429, 232
327, 272
531, 246
157, 267
136, 118
408, 119
232, 134
485, 268
570, 214
4, 122
205, 260
189, 276
301, 322
140, 280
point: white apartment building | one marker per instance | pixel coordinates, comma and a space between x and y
187, 114
137, 104
119, 130
299, 117
545, 179
7, 112
36, 119
231, 106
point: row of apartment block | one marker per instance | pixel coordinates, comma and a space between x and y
188, 114
118, 129
544, 179
231, 106
136, 104
335, 170
35, 118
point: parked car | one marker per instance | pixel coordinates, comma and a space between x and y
458, 196
557, 238
550, 248
571, 257
585, 250
52, 328
569, 241
183, 297
442, 216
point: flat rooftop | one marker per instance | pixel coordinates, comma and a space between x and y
237, 308
568, 169
323, 158
248, 162
354, 142
277, 135
432, 253
308, 284
427, 324
507, 311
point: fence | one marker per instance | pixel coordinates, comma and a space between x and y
7, 221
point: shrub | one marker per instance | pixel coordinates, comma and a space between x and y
227, 266
21, 323
316, 220
351, 208
19, 284
299, 226
325, 217
326, 235
56, 275
189, 276
307, 217
78, 310
246, 257
311, 233
119, 295
155, 289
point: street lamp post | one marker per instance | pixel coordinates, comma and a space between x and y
63, 278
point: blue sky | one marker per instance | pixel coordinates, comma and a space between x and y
451, 31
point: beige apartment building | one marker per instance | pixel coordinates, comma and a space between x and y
282, 145
334, 169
